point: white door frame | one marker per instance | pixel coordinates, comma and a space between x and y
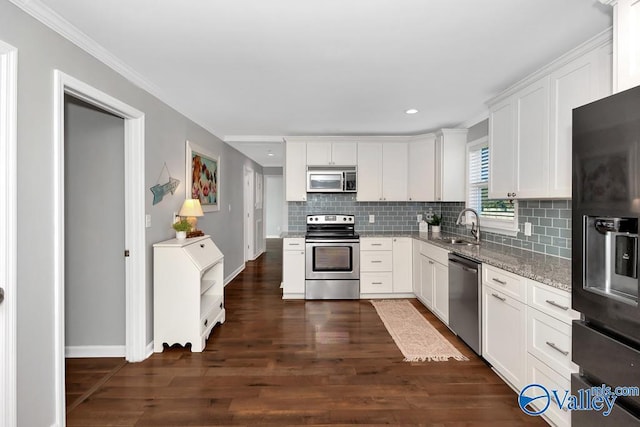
249, 250
134, 195
8, 243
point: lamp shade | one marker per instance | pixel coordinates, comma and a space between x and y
191, 207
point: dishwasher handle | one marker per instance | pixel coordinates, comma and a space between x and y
462, 266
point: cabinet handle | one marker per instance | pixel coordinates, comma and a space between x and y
502, 282
555, 347
555, 304
294, 244
202, 245
206, 322
500, 298
376, 261
376, 283
301, 253
430, 262
376, 244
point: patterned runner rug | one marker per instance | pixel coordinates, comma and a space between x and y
416, 338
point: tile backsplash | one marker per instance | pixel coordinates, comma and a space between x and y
550, 219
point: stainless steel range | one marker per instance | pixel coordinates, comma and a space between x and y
332, 257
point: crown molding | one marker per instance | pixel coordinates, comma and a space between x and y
57, 23
483, 115
596, 41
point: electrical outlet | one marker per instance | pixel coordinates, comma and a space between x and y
372, 219
147, 220
419, 217
527, 229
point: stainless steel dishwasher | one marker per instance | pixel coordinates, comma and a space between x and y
465, 300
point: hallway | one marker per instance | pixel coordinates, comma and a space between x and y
299, 362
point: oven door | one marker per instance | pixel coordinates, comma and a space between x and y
332, 260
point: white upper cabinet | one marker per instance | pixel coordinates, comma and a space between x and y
295, 170
532, 140
450, 155
422, 163
395, 162
382, 171
530, 123
369, 171
626, 28
579, 82
331, 153
502, 171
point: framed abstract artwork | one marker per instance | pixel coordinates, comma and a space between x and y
203, 176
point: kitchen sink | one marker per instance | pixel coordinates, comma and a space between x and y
453, 241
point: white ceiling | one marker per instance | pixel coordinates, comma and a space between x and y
255, 70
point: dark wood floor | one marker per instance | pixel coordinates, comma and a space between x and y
295, 362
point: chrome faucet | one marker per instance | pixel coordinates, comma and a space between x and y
475, 230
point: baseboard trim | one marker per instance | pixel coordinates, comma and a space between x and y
234, 274
149, 350
94, 351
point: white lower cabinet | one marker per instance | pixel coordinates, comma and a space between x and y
431, 286
540, 373
549, 318
293, 268
385, 267
503, 334
402, 265
526, 335
441, 291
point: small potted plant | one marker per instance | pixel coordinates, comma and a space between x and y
435, 222
181, 228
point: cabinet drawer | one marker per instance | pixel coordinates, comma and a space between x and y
539, 373
510, 284
435, 253
554, 302
550, 341
375, 244
213, 309
376, 260
293, 244
373, 283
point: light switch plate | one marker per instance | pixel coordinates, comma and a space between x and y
372, 219
419, 217
527, 229
147, 220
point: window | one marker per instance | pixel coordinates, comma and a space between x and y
499, 216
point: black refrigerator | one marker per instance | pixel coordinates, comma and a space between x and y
605, 212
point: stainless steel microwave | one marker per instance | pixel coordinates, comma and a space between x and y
331, 180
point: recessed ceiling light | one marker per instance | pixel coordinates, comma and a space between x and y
411, 111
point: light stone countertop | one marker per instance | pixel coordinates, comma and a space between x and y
550, 270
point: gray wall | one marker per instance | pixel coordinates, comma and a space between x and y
94, 237
40, 51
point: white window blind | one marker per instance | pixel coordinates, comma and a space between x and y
499, 214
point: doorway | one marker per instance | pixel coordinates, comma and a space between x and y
248, 214
134, 223
274, 205
94, 236
8, 243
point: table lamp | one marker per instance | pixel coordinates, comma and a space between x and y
191, 209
